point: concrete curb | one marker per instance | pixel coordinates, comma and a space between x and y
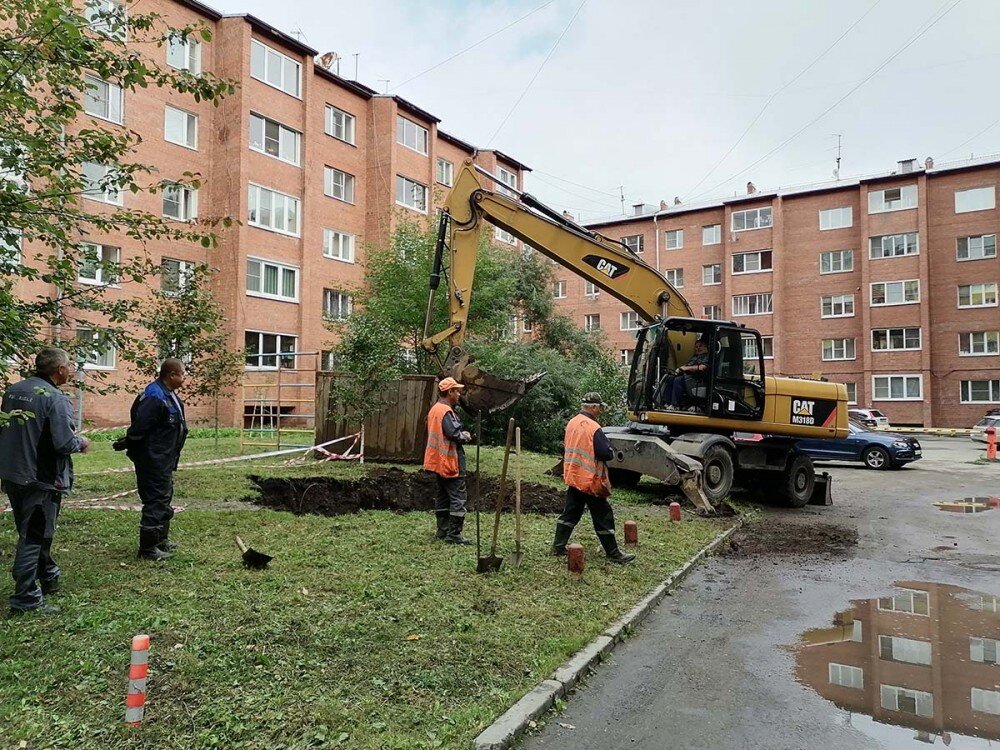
502, 733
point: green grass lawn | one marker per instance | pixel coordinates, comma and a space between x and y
364, 633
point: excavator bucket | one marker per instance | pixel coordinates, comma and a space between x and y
487, 394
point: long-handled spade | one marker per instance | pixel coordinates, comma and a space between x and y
515, 559
479, 495
491, 563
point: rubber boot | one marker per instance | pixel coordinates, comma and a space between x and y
148, 539
455, 526
621, 558
442, 525
563, 533
165, 545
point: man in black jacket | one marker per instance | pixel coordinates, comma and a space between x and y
36, 470
154, 441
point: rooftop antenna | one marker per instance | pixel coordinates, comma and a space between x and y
836, 172
356, 56
299, 34
386, 82
621, 191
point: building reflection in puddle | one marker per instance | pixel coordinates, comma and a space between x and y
919, 665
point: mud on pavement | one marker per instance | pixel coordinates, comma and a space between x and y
775, 537
390, 489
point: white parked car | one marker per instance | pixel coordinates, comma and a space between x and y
872, 418
978, 431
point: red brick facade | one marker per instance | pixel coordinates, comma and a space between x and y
945, 388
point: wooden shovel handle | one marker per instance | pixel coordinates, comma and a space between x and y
503, 485
241, 545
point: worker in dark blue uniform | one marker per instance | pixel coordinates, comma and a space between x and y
154, 441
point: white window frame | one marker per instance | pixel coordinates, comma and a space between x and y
635, 242
985, 701
981, 198
905, 378
187, 201
444, 172
106, 360
265, 55
113, 99
984, 289
407, 186
889, 335
190, 138
343, 300
882, 240
965, 391
759, 222
590, 289
338, 184
629, 321
278, 354
767, 346
280, 269
527, 326
988, 338
831, 254
508, 182
972, 252
189, 50
978, 650
711, 312
101, 26
502, 235
104, 254
848, 350
711, 234
712, 271
339, 124
902, 645
110, 195
407, 129
285, 134
759, 298
592, 322
907, 199
747, 256
338, 245
10, 250
885, 292
184, 271
255, 195
625, 357
845, 302
673, 239
675, 277
559, 289
841, 217
838, 672
889, 696
852, 398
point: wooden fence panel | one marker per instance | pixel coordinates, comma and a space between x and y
397, 432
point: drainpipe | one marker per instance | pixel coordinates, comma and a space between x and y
656, 239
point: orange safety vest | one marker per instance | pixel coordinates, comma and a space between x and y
581, 469
441, 454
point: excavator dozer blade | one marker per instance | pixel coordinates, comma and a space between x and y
487, 394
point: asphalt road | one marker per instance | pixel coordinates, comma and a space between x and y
722, 663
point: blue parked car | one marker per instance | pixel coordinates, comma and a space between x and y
876, 450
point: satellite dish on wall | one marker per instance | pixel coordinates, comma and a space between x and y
329, 59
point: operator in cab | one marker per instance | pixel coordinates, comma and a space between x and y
587, 485
690, 376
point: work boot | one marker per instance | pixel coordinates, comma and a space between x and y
442, 525
455, 526
50, 586
165, 545
148, 550
563, 533
41, 609
621, 558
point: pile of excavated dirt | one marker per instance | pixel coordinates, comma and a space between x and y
773, 537
390, 489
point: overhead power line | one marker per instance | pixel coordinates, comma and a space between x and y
526, 88
605, 204
943, 11
963, 144
473, 46
577, 184
773, 96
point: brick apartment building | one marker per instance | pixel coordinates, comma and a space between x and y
314, 166
924, 658
887, 283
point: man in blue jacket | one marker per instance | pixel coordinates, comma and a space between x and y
36, 471
154, 441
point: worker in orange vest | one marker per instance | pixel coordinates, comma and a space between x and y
445, 456
587, 484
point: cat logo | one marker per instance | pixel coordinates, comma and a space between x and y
803, 411
613, 269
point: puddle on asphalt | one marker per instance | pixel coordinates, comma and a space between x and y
968, 505
920, 664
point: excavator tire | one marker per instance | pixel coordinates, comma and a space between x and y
717, 473
624, 478
796, 485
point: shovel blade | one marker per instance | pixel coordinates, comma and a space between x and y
488, 394
256, 560
490, 564
515, 559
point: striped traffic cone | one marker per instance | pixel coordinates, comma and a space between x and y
135, 700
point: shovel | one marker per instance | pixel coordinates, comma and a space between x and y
251, 557
515, 559
479, 441
491, 563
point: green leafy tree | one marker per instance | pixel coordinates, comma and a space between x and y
52, 154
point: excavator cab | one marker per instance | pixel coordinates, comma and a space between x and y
728, 384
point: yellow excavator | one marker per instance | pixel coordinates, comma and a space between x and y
694, 442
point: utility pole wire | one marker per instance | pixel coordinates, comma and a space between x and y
473, 46
928, 25
570, 182
526, 88
966, 143
775, 95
